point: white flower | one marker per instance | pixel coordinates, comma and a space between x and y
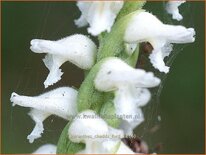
145, 27
172, 8
77, 49
46, 149
60, 102
99, 138
129, 86
100, 15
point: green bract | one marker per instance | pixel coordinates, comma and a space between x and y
65, 146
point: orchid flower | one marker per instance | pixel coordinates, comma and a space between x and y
99, 138
130, 88
145, 27
46, 149
172, 8
78, 49
60, 102
100, 15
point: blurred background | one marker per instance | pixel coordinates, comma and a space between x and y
175, 115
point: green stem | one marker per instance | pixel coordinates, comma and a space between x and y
129, 7
113, 44
88, 96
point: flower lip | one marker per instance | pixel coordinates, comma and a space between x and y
77, 49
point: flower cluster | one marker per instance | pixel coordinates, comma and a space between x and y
113, 76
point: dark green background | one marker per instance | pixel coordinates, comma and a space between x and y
181, 101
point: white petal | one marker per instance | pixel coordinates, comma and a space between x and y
83, 7
142, 96
46, 149
81, 21
86, 126
77, 49
99, 14
111, 147
152, 29
125, 104
123, 149
128, 104
172, 8
159, 35
104, 147
92, 130
127, 108
114, 73
178, 34
60, 102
